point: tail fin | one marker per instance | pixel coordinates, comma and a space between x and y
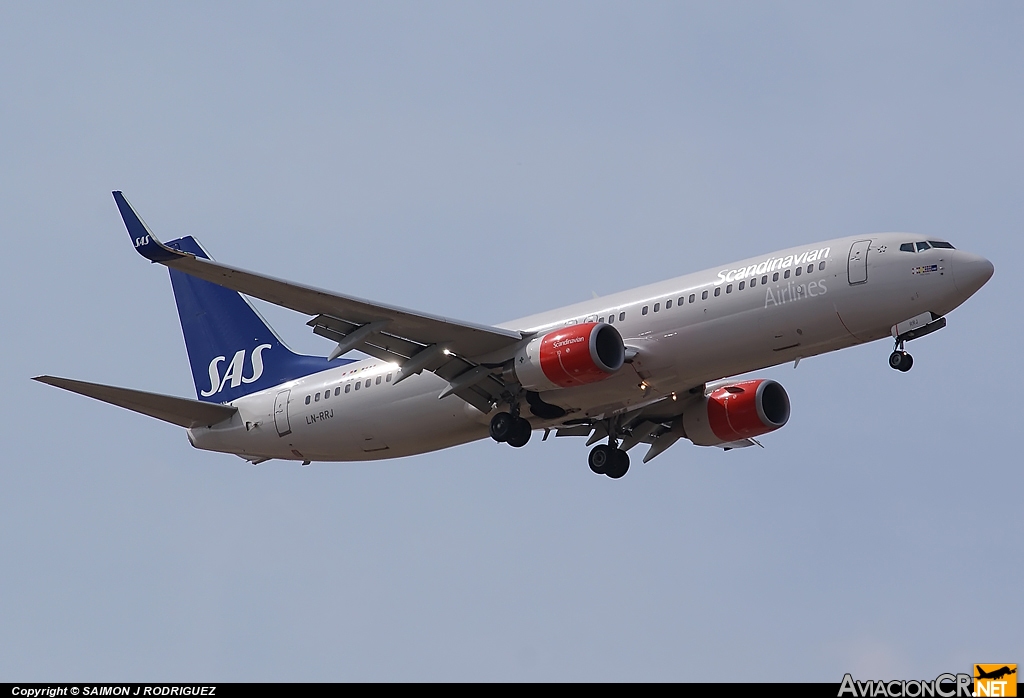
232, 349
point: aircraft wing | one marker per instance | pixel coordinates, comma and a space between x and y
176, 410
414, 340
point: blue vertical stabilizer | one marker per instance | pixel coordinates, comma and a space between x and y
232, 350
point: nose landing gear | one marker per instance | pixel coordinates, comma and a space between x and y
901, 360
918, 326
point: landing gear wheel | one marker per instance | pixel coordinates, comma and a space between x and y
600, 458
896, 360
619, 465
907, 363
901, 361
520, 434
502, 426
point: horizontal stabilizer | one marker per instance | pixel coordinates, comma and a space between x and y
176, 410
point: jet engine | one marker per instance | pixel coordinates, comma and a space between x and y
738, 411
570, 356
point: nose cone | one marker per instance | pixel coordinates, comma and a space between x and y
970, 272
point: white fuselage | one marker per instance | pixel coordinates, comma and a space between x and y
847, 292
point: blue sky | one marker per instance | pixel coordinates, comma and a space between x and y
487, 161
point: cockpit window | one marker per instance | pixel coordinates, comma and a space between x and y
907, 247
922, 246
941, 245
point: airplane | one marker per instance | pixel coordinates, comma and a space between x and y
995, 674
651, 365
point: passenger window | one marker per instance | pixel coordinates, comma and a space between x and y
728, 289
348, 388
611, 319
682, 299
764, 279
307, 399
358, 383
704, 296
622, 316
367, 382
668, 304
378, 380
388, 379
799, 271
941, 245
743, 284
922, 246
337, 391
693, 297
316, 398
327, 394
786, 274
644, 311
718, 292
753, 282
810, 268
775, 276
821, 266
657, 307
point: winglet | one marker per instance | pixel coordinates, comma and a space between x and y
145, 242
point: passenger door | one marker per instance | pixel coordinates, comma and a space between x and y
281, 413
857, 267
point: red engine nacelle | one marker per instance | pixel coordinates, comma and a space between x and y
574, 355
735, 412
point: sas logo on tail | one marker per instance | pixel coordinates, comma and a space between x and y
235, 370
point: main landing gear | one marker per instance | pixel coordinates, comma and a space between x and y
609, 460
605, 459
510, 429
